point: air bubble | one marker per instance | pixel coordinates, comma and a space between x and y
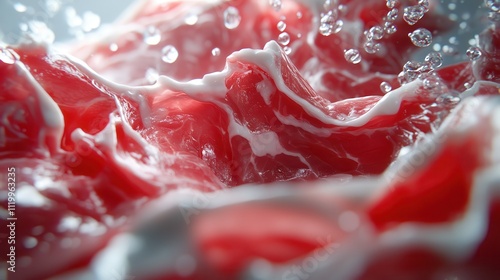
276, 4
169, 54
473, 53
232, 18
152, 35
281, 25
284, 38
287, 50
215, 51
434, 59
191, 19
385, 87
353, 56
7, 56
412, 14
299, 15
421, 37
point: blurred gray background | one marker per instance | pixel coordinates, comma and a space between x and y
55, 14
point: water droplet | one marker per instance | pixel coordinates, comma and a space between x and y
284, 38
412, 14
385, 87
492, 5
421, 37
152, 35
391, 3
328, 23
90, 21
40, 32
152, 75
473, 53
169, 54
191, 19
281, 25
287, 50
30, 242
448, 99
19, 7
215, 51
232, 18
371, 47
424, 4
113, 47
353, 56
390, 29
276, 4
52, 7
377, 32
431, 82
7, 56
392, 15
434, 59
467, 85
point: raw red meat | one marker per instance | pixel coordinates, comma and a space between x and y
376, 183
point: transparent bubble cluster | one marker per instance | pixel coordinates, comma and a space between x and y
329, 23
412, 14
473, 53
421, 37
425, 70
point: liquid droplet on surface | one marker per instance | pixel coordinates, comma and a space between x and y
215, 51
413, 14
7, 56
434, 59
473, 53
353, 56
284, 38
169, 54
421, 37
385, 87
152, 75
327, 23
281, 26
152, 35
232, 18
